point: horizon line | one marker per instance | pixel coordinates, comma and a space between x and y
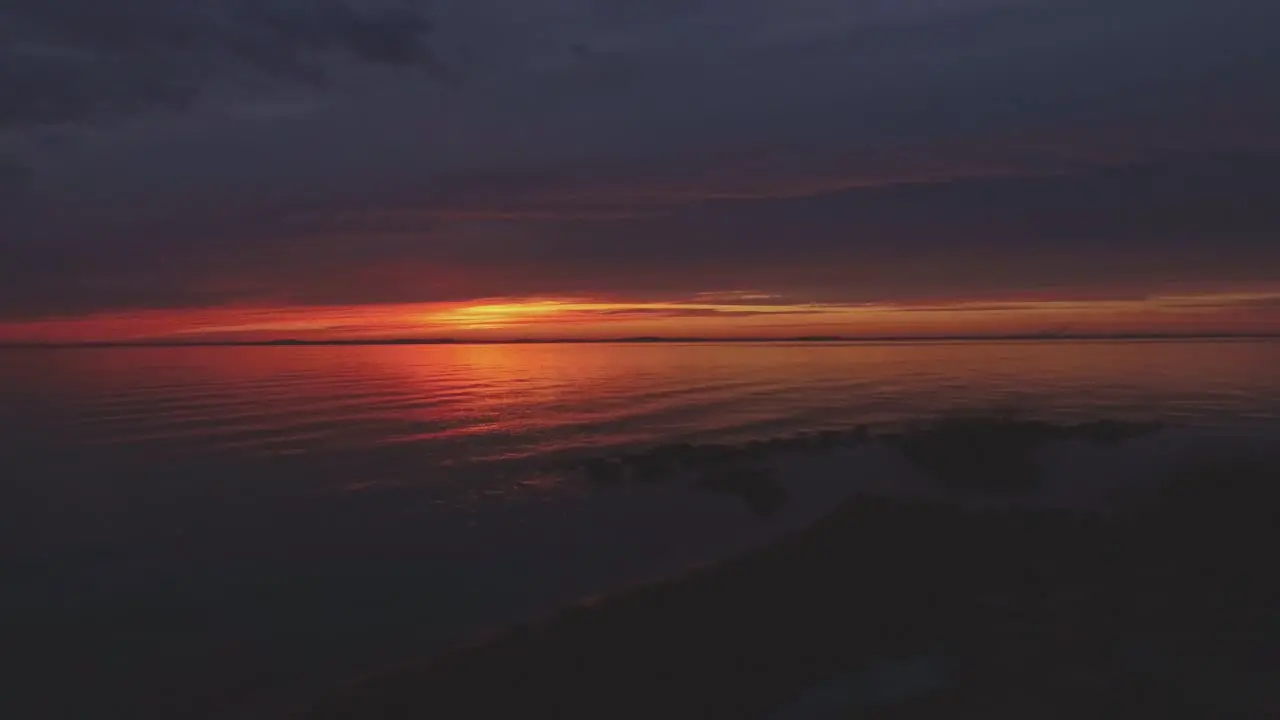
295, 342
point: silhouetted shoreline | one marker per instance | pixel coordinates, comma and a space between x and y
646, 340
891, 608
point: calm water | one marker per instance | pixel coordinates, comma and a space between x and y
220, 532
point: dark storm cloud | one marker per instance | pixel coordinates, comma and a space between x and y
12, 176
835, 73
74, 61
1153, 224
1131, 228
823, 149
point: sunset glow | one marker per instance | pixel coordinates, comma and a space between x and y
736, 316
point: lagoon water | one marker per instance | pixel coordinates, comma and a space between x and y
224, 532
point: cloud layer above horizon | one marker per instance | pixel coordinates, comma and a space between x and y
284, 153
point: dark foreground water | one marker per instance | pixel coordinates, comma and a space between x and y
225, 532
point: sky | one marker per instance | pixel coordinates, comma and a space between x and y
498, 169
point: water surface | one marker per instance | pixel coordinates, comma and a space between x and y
219, 532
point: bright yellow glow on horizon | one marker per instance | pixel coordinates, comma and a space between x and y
524, 313
496, 315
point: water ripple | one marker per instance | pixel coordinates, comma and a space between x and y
469, 404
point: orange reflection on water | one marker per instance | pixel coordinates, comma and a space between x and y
514, 400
